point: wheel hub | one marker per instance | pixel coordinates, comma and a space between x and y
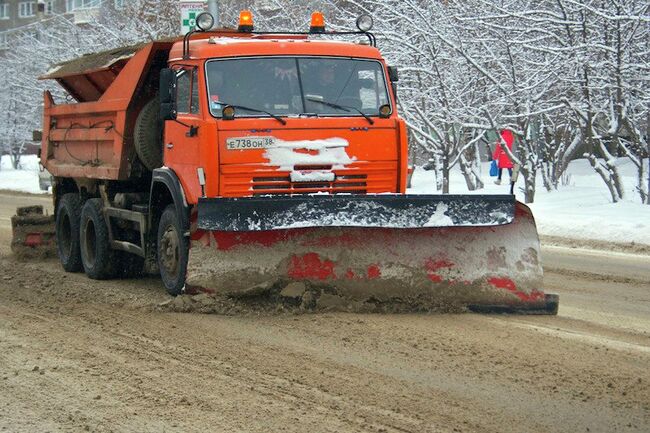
169, 250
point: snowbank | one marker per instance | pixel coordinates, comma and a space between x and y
581, 209
25, 179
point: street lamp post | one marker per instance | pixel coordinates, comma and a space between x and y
213, 8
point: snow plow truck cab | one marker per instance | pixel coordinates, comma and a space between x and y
231, 159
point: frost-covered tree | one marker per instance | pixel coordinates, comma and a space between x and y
440, 99
607, 47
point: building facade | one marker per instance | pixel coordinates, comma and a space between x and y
15, 15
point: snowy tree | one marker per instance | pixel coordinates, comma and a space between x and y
138, 20
608, 47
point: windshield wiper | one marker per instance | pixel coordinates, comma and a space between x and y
255, 110
343, 107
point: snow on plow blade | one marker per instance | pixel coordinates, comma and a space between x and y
382, 211
414, 253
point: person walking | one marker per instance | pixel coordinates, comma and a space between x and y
500, 155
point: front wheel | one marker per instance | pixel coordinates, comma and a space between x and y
173, 251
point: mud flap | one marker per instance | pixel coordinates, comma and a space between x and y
33, 233
428, 252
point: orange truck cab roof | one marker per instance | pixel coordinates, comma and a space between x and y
232, 45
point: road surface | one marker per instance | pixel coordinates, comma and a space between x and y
82, 355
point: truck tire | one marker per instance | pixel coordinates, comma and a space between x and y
97, 257
148, 135
68, 213
173, 251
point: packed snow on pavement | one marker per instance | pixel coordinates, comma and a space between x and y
579, 209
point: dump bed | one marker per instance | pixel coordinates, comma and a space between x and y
93, 137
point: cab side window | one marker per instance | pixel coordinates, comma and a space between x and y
183, 95
187, 91
194, 103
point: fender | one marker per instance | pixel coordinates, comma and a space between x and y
168, 178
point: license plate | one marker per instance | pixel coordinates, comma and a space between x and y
244, 143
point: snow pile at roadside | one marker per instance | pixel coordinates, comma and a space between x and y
584, 211
581, 209
25, 179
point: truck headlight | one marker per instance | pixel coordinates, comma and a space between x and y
204, 21
365, 23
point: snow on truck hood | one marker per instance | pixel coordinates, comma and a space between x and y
329, 151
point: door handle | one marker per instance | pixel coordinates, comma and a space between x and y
170, 145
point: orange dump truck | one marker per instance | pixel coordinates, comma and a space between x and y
232, 159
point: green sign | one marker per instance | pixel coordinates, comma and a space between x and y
189, 11
190, 21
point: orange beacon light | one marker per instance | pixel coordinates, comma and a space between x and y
245, 21
317, 23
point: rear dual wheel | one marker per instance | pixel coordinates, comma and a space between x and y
97, 257
100, 262
68, 214
83, 243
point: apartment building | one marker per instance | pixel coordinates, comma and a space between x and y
16, 14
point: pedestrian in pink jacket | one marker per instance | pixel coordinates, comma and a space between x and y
500, 155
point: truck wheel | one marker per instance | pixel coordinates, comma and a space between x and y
67, 232
96, 255
173, 251
147, 135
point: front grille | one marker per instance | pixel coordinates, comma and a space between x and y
351, 184
241, 180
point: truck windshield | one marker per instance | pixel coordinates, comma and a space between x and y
292, 86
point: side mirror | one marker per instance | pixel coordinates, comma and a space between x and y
167, 91
167, 111
167, 85
393, 74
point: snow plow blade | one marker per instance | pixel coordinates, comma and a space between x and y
373, 252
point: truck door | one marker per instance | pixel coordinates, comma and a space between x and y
181, 143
